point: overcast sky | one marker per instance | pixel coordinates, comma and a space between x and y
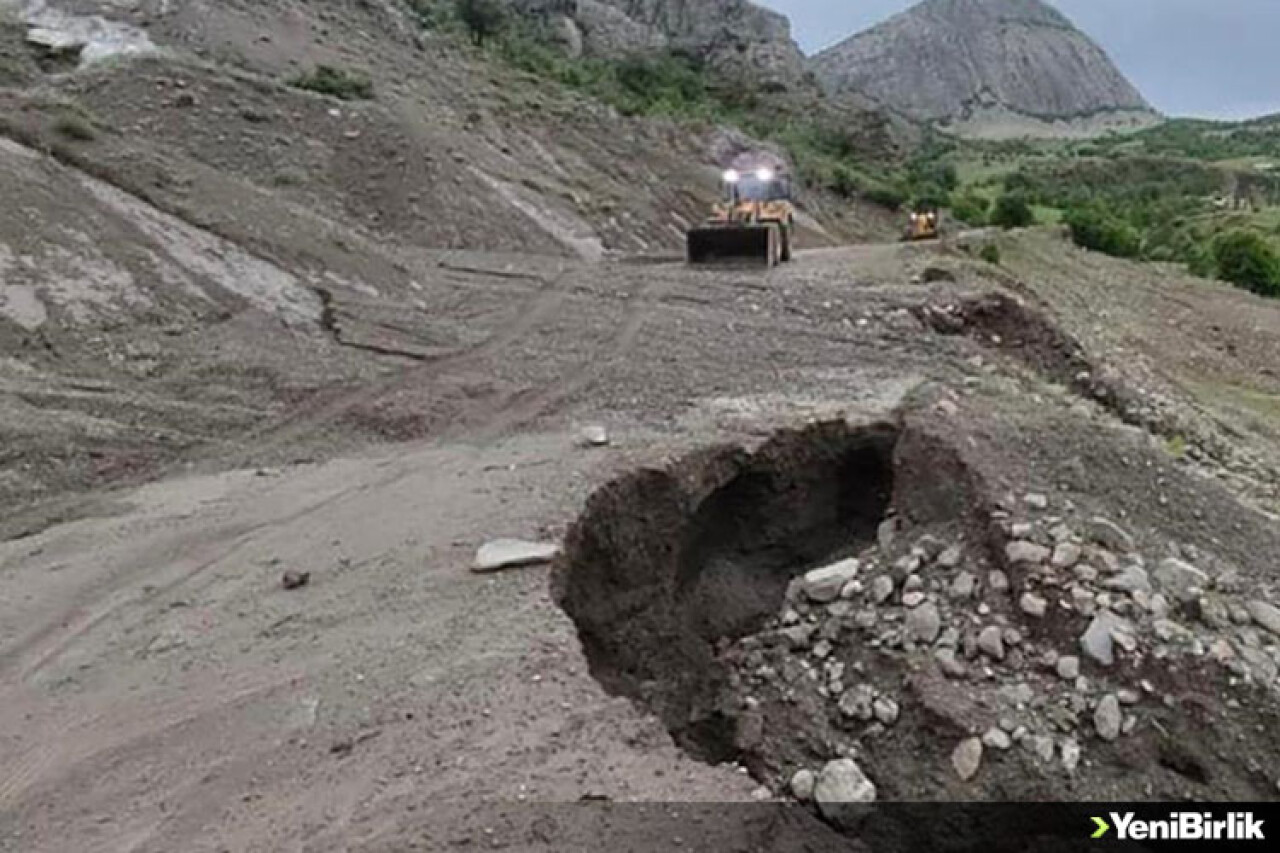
1211, 58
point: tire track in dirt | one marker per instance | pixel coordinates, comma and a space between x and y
528, 405
81, 738
307, 418
46, 644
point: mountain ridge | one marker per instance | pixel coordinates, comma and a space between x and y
963, 63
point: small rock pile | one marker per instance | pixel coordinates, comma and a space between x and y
1032, 638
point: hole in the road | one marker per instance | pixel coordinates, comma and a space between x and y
1003, 323
663, 565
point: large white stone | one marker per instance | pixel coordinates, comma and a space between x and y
823, 585
841, 783
512, 554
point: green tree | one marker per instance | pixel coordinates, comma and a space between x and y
885, 195
484, 19
971, 209
844, 182
930, 197
1012, 211
1097, 230
1247, 260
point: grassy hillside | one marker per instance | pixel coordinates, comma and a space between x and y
850, 154
1206, 194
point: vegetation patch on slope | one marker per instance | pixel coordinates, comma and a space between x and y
672, 84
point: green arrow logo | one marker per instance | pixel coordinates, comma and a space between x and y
1103, 827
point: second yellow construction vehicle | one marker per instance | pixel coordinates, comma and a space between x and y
755, 224
923, 225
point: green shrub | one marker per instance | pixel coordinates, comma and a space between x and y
1012, 211
434, 14
1247, 260
928, 172
971, 209
990, 253
930, 197
1099, 231
886, 196
484, 19
844, 182
328, 80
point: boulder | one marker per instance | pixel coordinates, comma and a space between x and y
1180, 579
1266, 615
824, 585
842, 787
1026, 553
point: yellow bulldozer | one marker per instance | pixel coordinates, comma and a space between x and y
922, 225
755, 224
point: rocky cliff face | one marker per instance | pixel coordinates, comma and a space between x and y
732, 35
953, 61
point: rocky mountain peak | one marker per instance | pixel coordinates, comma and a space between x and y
963, 62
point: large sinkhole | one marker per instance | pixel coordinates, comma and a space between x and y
664, 565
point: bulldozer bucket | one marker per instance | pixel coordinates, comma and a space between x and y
730, 244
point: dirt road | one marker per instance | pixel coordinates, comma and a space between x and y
160, 690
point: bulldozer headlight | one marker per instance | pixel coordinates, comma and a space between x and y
764, 175
731, 177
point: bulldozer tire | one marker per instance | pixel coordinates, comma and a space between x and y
786, 243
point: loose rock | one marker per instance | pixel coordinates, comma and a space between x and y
824, 585
295, 580
1266, 615
991, 642
802, 784
1068, 668
964, 586
842, 782
1033, 605
1131, 580
924, 623
997, 738
1099, 640
881, 589
1108, 718
886, 710
1026, 553
1181, 579
1070, 755
512, 554
1066, 555
1109, 534
951, 557
858, 703
595, 436
967, 758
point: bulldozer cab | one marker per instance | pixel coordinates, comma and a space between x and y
754, 188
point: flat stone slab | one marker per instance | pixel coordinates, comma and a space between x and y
500, 554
